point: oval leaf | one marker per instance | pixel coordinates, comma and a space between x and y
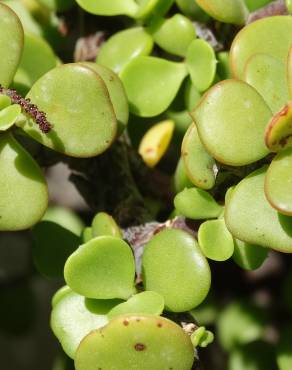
215, 240
268, 76
199, 165
104, 224
181, 180
278, 182
113, 7
174, 266
23, 188
151, 84
231, 119
72, 320
141, 342
76, 102
201, 63
175, 35
11, 44
103, 268
270, 35
124, 46
8, 116
197, 204
250, 217
228, 11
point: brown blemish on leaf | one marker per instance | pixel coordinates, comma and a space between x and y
140, 347
160, 325
126, 322
283, 141
284, 111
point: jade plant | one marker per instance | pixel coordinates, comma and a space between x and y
177, 134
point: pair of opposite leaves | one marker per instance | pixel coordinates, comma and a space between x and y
103, 269
85, 103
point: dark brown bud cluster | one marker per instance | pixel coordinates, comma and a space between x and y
31, 109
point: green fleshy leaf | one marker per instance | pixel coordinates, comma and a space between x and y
192, 9
202, 337
37, 59
151, 9
192, 95
175, 35
233, 136
181, 180
278, 182
141, 342
250, 217
5, 101
28, 21
104, 224
256, 4
72, 318
201, 64
23, 188
143, 303
199, 165
8, 116
174, 266
116, 92
64, 217
124, 46
215, 240
77, 104
227, 11
268, 76
103, 268
87, 235
223, 66
11, 44
151, 84
249, 256
197, 204
271, 35
108, 8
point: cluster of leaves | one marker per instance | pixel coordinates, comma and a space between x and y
112, 314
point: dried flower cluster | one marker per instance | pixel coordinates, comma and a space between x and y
31, 109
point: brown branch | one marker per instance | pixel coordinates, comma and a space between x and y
277, 7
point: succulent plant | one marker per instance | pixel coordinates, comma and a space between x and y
163, 100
